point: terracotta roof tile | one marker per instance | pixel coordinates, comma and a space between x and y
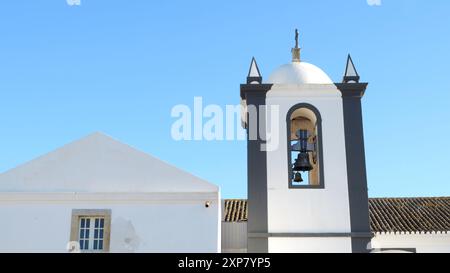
419, 214
235, 210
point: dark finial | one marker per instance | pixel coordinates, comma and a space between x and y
350, 75
254, 76
296, 50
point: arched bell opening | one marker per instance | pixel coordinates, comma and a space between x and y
304, 131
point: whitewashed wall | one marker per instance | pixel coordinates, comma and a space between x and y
234, 240
234, 237
309, 210
422, 243
310, 245
139, 222
155, 207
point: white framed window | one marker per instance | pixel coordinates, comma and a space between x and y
91, 233
91, 230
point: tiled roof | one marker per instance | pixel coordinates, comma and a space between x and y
235, 210
427, 214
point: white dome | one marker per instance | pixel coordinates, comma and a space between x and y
299, 73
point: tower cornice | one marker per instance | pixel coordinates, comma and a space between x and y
356, 90
254, 88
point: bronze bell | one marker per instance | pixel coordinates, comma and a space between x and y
302, 163
298, 177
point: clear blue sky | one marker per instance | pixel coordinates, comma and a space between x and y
119, 67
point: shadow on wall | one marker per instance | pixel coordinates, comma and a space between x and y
123, 236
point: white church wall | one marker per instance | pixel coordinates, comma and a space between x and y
234, 240
155, 207
234, 237
139, 222
310, 245
418, 242
308, 210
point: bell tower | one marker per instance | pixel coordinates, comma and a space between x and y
307, 188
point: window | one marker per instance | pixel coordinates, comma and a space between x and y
304, 132
91, 229
91, 235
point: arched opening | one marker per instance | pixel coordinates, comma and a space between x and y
304, 131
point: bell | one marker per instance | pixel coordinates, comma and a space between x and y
298, 177
302, 163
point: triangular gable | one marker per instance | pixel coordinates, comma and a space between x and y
98, 163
